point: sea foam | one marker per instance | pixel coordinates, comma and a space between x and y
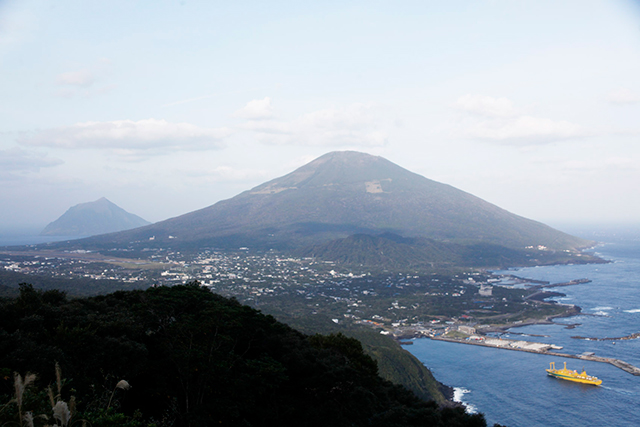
458, 394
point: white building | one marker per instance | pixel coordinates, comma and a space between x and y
485, 290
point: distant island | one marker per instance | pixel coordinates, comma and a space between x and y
93, 218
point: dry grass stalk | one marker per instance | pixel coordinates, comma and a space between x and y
28, 419
20, 385
122, 384
72, 405
61, 412
52, 399
59, 380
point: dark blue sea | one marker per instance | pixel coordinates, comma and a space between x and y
511, 388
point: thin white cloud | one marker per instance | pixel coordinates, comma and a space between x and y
611, 164
354, 125
81, 78
185, 101
526, 129
128, 137
66, 92
17, 25
354, 117
223, 174
621, 163
599, 165
16, 160
270, 127
85, 82
623, 96
257, 109
486, 105
299, 161
496, 120
72, 92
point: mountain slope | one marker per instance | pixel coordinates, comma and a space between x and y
194, 358
341, 194
390, 251
89, 219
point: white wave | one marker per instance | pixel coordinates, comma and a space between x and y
635, 310
471, 409
602, 308
458, 394
601, 313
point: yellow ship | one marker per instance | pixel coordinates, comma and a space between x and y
566, 374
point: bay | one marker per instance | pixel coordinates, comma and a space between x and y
512, 388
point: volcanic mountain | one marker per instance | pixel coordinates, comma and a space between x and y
345, 194
92, 218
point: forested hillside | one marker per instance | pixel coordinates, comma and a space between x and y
191, 358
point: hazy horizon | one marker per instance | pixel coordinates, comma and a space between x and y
168, 107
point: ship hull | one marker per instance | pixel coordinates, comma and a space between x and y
569, 376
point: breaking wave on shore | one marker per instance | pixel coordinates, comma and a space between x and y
458, 394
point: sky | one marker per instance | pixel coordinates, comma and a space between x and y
165, 107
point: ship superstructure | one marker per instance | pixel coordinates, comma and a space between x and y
572, 375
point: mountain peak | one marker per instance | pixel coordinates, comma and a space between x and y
338, 169
92, 218
351, 160
347, 157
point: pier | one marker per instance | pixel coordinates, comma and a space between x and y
540, 348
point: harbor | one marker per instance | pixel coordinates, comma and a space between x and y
512, 387
538, 348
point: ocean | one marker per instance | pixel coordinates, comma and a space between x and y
512, 388
29, 237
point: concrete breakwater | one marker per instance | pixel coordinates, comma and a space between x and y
569, 283
539, 348
628, 337
540, 284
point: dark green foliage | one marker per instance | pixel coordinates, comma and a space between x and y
7, 291
73, 286
111, 418
349, 348
196, 359
394, 362
394, 252
387, 250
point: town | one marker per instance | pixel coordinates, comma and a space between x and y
399, 303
